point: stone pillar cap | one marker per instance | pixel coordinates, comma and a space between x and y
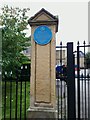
43, 17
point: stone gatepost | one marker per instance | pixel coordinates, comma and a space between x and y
43, 82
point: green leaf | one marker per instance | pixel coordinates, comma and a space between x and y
14, 40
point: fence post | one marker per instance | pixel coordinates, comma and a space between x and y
78, 82
71, 82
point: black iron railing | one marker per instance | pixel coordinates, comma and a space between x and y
61, 83
83, 83
15, 97
73, 85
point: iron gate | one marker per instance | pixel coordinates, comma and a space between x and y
73, 83
73, 88
83, 84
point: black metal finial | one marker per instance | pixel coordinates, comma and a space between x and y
84, 42
78, 43
88, 75
82, 75
61, 43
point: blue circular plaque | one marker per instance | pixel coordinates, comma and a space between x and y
42, 35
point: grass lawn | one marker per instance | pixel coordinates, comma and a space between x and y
11, 88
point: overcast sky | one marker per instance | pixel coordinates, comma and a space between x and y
73, 17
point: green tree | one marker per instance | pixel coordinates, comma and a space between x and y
87, 59
14, 40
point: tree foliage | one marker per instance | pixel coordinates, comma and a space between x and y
14, 40
87, 59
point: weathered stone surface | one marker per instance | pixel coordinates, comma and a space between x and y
43, 83
42, 113
43, 72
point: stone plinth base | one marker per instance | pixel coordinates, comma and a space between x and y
42, 113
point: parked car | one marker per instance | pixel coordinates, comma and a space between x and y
61, 72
